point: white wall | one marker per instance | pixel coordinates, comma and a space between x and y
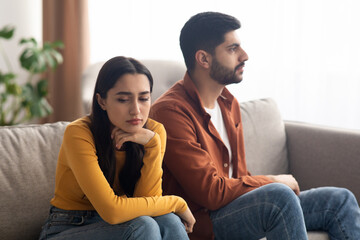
303, 53
26, 16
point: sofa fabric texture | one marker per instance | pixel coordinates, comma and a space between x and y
28, 156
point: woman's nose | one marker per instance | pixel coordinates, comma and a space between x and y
135, 108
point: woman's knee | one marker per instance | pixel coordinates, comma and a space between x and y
171, 225
168, 219
146, 227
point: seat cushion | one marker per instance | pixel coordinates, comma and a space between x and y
315, 236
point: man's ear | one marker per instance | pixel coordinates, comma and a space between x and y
101, 101
203, 59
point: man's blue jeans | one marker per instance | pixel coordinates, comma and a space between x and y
64, 224
275, 212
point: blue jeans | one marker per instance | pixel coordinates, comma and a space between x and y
64, 224
275, 212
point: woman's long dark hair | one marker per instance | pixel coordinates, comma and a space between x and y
100, 125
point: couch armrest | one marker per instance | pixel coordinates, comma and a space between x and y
324, 156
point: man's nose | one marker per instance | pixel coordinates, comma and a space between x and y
243, 56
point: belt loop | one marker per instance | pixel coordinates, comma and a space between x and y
77, 223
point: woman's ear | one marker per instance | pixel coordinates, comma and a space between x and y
203, 59
101, 102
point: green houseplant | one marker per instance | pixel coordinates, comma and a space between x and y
22, 102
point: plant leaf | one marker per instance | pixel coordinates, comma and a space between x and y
29, 40
13, 89
34, 100
6, 78
7, 32
42, 88
36, 59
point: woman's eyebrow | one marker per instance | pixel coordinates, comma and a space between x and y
144, 92
130, 93
123, 93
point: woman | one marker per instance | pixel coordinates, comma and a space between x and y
108, 176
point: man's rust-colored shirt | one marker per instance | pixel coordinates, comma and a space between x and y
196, 162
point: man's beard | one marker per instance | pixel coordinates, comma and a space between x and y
224, 75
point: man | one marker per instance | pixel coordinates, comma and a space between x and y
205, 161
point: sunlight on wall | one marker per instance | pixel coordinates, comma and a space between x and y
304, 54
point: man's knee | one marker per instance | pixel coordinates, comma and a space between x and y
341, 196
281, 193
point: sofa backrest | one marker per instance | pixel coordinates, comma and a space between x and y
28, 156
265, 137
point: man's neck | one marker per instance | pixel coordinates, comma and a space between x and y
209, 90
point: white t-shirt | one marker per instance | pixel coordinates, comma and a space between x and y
218, 122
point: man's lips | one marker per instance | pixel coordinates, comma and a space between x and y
134, 121
240, 67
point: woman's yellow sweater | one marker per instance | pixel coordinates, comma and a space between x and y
81, 185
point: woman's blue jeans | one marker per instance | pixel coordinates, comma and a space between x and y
275, 212
64, 224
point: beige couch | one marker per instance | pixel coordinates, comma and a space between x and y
316, 155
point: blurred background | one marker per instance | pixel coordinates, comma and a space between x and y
303, 53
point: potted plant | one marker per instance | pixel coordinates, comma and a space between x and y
22, 102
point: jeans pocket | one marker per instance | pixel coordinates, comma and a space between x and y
59, 222
59, 218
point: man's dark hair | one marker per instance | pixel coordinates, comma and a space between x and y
205, 31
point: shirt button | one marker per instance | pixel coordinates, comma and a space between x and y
226, 165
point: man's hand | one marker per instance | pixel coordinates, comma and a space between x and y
286, 179
142, 137
188, 220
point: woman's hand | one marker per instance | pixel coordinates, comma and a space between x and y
142, 137
188, 220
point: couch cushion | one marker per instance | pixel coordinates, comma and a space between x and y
28, 156
314, 235
265, 139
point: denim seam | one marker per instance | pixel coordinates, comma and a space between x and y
254, 205
337, 219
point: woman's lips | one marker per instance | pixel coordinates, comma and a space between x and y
134, 121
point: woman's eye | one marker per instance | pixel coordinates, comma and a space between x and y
122, 100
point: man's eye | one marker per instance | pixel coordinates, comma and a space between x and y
144, 99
